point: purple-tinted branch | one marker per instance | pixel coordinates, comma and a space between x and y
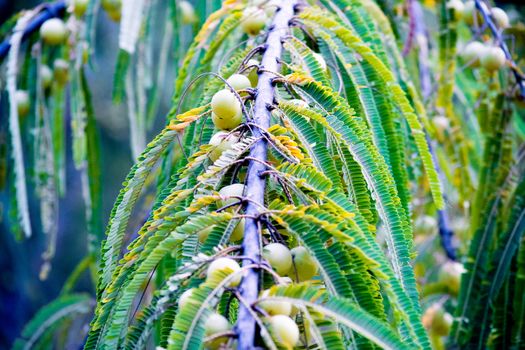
256, 183
487, 18
445, 232
52, 10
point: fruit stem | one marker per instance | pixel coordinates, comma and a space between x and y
49, 11
255, 180
487, 17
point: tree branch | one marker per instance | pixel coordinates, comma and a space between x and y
256, 182
487, 17
52, 10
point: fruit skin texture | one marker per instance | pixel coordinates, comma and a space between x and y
279, 257
221, 141
253, 20
184, 298
304, 266
230, 191
472, 53
187, 12
253, 76
46, 76
22, 103
471, 14
226, 108
493, 58
61, 71
53, 31
500, 17
450, 276
239, 82
437, 320
285, 330
225, 265
80, 7
215, 323
238, 232
458, 7
275, 307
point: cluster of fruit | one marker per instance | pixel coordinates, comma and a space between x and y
477, 54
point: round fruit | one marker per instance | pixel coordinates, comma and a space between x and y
22, 103
458, 7
500, 17
270, 7
53, 31
285, 330
472, 53
253, 76
279, 257
321, 60
471, 15
80, 7
61, 71
441, 123
114, 15
253, 20
215, 324
233, 191
493, 58
227, 112
238, 231
111, 5
188, 15
184, 298
437, 320
221, 141
239, 82
450, 276
275, 307
46, 76
224, 265
304, 266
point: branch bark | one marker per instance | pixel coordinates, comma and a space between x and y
256, 181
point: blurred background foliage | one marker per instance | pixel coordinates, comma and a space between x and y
22, 292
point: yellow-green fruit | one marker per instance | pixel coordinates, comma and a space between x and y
238, 231
215, 324
253, 76
275, 307
46, 76
224, 265
450, 276
221, 141
188, 15
493, 58
501, 17
304, 266
226, 110
278, 256
472, 53
113, 9
53, 31
285, 330
458, 7
233, 191
22, 103
184, 298
437, 320
80, 7
239, 82
61, 71
471, 15
253, 20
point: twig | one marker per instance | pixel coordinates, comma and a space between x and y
52, 10
487, 17
256, 184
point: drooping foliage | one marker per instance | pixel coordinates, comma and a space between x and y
340, 160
